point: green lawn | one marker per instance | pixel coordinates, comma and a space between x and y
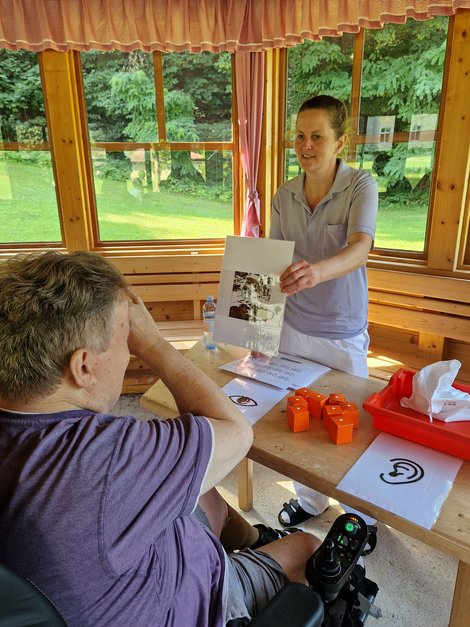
28, 210
401, 227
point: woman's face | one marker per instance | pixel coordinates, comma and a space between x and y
316, 146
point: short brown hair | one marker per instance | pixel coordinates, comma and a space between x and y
51, 304
335, 108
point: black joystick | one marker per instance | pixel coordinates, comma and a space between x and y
328, 564
329, 568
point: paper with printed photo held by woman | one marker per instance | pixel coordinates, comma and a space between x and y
250, 306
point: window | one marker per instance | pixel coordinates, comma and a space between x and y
322, 67
397, 105
400, 91
160, 130
28, 202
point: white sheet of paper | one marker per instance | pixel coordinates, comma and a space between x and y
253, 399
283, 371
250, 305
405, 478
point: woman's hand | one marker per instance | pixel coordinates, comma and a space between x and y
299, 276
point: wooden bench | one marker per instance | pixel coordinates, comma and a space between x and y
417, 319
174, 288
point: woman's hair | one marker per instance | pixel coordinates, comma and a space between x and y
335, 108
51, 304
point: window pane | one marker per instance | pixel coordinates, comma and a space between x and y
400, 98
404, 185
163, 195
144, 192
28, 202
318, 67
198, 96
120, 96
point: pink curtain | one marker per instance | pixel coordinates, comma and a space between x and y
197, 25
250, 94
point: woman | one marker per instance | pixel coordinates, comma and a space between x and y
329, 211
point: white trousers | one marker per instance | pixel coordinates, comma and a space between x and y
348, 355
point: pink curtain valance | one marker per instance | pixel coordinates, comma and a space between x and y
197, 25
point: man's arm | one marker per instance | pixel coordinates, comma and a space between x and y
193, 391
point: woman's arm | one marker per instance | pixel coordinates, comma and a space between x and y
301, 274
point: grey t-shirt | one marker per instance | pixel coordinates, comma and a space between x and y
334, 309
96, 511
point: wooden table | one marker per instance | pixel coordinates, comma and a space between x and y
312, 459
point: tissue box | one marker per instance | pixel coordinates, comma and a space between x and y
390, 416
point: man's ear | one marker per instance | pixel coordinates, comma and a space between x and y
80, 368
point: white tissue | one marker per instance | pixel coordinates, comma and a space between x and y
433, 394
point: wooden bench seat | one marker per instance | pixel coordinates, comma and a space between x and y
417, 319
174, 288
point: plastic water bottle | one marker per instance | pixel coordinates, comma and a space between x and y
208, 315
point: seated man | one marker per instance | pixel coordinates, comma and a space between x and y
99, 511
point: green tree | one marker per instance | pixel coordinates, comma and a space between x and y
22, 115
402, 77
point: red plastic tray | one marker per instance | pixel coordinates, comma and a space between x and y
390, 416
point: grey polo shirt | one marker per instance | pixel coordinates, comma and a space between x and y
334, 309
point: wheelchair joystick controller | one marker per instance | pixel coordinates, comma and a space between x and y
330, 567
328, 563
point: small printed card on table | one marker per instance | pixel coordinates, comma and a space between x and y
283, 371
403, 477
253, 399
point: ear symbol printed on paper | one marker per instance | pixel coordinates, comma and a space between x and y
245, 401
404, 471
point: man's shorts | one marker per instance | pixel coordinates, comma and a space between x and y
252, 578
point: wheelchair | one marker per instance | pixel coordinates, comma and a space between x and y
338, 594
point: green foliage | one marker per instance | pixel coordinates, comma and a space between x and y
133, 95
206, 78
21, 99
402, 76
320, 67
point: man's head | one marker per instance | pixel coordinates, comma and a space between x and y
52, 306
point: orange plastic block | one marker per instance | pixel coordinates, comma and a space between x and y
340, 430
316, 402
336, 399
297, 418
297, 400
305, 392
328, 412
351, 412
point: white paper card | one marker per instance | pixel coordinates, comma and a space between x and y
403, 477
250, 306
283, 371
253, 399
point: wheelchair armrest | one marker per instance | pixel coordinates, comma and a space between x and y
295, 605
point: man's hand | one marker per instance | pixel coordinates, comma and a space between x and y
143, 329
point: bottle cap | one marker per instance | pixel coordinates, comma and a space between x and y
209, 298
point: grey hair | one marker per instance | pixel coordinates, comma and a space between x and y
51, 304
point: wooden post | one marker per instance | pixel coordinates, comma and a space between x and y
452, 154
59, 71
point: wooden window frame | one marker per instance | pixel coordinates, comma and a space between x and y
447, 242
70, 148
